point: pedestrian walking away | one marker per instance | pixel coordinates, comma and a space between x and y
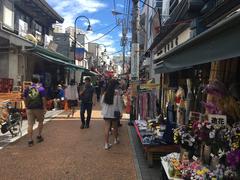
71, 94
111, 112
86, 98
98, 90
35, 102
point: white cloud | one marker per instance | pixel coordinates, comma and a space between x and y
92, 21
70, 9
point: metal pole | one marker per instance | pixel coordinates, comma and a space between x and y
124, 34
124, 58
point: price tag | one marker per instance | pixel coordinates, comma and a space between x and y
220, 120
195, 158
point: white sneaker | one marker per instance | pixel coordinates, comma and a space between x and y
116, 141
107, 146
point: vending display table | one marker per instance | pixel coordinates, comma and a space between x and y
155, 151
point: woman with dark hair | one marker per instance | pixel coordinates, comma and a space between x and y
111, 104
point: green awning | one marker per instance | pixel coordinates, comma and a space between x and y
89, 73
55, 57
219, 42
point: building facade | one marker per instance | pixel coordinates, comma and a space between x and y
20, 32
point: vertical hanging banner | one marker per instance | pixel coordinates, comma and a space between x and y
135, 61
80, 54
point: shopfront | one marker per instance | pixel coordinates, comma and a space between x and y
200, 93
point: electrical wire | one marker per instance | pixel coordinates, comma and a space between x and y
104, 34
104, 27
147, 5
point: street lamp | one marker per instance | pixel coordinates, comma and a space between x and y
89, 28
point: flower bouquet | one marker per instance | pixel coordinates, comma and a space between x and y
233, 160
183, 136
205, 134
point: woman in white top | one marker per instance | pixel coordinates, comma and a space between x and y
111, 103
71, 94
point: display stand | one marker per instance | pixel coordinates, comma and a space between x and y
153, 151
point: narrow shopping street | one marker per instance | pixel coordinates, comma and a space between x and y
70, 153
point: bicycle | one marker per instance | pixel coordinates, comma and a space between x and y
12, 122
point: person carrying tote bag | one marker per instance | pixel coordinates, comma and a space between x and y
111, 111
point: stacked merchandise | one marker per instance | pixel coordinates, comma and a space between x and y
155, 131
151, 131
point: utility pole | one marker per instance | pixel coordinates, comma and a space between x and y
124, 41
134, 59
135, 41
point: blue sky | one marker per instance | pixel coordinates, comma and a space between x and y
99, 13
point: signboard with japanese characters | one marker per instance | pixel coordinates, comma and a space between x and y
220, 120
23, 28
135, 62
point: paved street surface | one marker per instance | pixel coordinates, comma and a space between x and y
7, 138
69, 153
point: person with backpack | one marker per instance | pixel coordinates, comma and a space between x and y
35, 102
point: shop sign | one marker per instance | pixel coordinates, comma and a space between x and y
23, 28
80, 54
220, 120
135, 62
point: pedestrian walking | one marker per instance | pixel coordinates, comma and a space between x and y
86, 98
59, 99
98, 90
111, 111
35, 102
71, 94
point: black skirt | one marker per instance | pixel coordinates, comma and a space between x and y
72, 103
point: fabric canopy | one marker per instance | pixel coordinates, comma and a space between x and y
219, 42
55, 57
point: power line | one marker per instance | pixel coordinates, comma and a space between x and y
147, 5
104, 27
104, 34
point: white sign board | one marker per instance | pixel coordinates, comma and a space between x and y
23, 28
220, 120
135, 61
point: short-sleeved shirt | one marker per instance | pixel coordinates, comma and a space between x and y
42, 93
87, 95
60, 94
